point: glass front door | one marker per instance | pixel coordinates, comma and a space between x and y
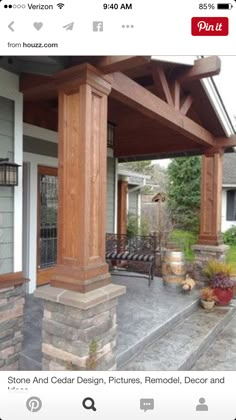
47, 222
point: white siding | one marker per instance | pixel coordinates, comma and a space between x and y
6, 193
133, 203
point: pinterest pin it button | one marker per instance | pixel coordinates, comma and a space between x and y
213, 26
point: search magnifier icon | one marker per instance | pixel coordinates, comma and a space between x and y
89, 404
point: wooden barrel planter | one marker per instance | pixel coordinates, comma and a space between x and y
173, 267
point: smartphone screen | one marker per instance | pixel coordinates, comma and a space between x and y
117, 210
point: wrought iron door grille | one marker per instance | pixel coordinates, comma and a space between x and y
48, 220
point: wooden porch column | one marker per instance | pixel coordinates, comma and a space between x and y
122, 207
81, 264
211, 197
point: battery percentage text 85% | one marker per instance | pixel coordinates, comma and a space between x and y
205, 6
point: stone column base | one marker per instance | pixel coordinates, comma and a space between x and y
79, 329
12, 301
204, 253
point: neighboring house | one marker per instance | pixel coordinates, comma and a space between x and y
136, 183
229, 191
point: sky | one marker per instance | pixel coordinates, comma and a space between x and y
226, 84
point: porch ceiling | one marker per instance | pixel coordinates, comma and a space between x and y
139, 137
160, 109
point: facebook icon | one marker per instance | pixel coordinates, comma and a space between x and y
98, 26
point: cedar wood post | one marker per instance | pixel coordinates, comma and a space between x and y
83, 97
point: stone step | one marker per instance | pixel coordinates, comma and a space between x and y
156, 332
221, 354
183, 345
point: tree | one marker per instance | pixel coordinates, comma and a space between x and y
184, 194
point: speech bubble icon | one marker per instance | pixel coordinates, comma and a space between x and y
146, 404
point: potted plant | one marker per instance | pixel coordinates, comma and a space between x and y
223, 288
208, 298
219, 274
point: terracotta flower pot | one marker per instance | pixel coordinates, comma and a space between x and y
224, 295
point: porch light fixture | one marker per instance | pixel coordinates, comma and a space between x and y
110, 135
8, 173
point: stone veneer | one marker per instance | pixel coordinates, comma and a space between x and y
79, 330
11, 324
204, 253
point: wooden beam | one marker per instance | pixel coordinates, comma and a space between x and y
205, 67
29, 80
41, 92
222, 143
161, 83
226, 142
176, 94
111, 64
186, 105
12, 279
135, 96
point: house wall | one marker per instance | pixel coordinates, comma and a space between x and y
6, 193
225, 224
133, 202
11, 115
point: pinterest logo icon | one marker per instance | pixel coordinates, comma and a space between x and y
34, 404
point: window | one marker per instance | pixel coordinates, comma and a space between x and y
231, 205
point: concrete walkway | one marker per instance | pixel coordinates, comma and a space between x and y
144, 314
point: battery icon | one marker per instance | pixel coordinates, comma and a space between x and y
224, 6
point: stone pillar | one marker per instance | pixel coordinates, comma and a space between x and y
122, 207
204, 253
12, 299
82, 172
79, 329
210, 243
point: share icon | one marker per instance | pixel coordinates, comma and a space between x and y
69, 26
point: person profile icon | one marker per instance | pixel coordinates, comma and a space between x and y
202, 406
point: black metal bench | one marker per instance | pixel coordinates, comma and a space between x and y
130, 250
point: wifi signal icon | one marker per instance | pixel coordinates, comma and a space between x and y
60, 5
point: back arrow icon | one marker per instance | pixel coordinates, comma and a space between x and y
10, 26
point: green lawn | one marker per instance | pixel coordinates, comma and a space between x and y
231, 258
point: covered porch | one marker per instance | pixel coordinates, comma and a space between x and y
159, 109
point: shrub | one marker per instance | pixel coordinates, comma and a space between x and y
133, 227
184, 240
230, 236
214, 267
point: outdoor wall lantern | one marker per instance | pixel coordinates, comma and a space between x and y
8, 173
110, 135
